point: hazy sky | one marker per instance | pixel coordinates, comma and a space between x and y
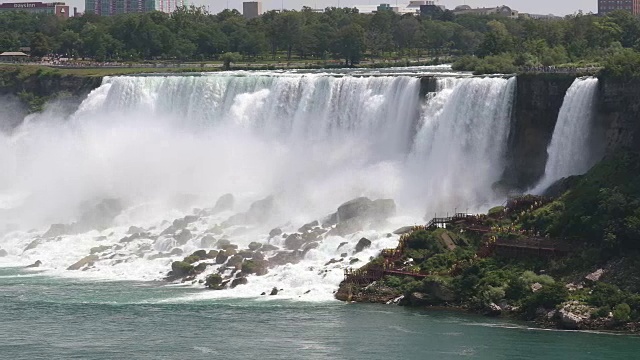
558, 7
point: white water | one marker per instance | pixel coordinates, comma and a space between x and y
164, 145
570, 152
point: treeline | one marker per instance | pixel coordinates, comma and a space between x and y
339, 33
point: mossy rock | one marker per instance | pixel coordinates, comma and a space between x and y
191, 259
214, 282
255, 246
235, 261
258, 267
202, 254
200, 267
181, 268
212, 254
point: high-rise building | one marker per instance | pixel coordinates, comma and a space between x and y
251, 9
55, 8
607, 6
115, 7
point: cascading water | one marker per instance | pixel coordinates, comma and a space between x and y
163, 145
570, 152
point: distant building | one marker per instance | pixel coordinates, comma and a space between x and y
115, 7
251, 9
607, 6
498, 10
54, 8
431, 9
540, 16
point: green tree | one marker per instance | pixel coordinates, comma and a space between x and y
349, 44
40, 45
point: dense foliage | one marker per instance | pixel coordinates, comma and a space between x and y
492, 43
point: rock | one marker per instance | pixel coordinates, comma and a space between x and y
212, 254
274, 291
200, 254
176, 252
263, 293
214, 282
235, 261
182, 236
3, 253
239, 281
362, 244
258, 267
190, 219
570, 320
179, 224
418, 299
246, 254
35, 264
493, 310
207, 241
439, 291
222, 243
224, 203
404, 230
170, 230
134, 230
255, 246
181, 269
595, 276
130, 238
330, 220
99, 249
285, 257
216, 230
294, 242
364, 207
85, 261
344, 255
269, 247
536, 286
342, 244
100, 215
221, 258
310, 246
58, 230
259, 212
308, 227
353, 261
275, 232
230, 248
33, 244
200, 268
332, 261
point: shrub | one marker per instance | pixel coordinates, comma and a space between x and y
621, 312
213, 281
181, 268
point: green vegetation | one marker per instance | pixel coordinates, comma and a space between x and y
484, 44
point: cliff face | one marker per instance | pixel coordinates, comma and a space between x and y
537, 104
619, 113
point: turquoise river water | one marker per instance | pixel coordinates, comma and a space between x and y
52, 318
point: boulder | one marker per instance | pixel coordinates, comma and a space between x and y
85, 261
176, 252
207, 241
235, 261
309, 246
363, 244
258, 255
35, 264
275, 232
595, 276
536, 286
274, 291
330, 220
179, 224
259, 212
99, 249
222, 243
404, 230
246, 254
269, 247
285, 257
353, 261
58, 230
258, 267
183, 236
332, 261
418, 299
200, 254
190, 219
224, 203
308, 227
3, 253
100, 215
222, 257
214, 282
200, 268
364, 207
181, 269
239, 281
493, 310
33, 244
253, 246
294, 242
134, 230
344, 255
342, 244
212, 254
439, 291
570, 320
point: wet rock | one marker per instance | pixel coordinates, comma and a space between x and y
364, 207
258, 255
259, 212
35, 264
269, 247
85, 261
246, 254
99, 249
190, 219
330, 220
224, 203
275, 232
263, 293
208, 241
200, 268
183, 236
274, 291
170, 230
200, 254
344, 255
230, 248
255, 246
176, 252
214, 282
404, 230
308, 247
181, 269
222, 257
212, 254
332, 261
258, 267
342, 244
134, 230
235, 261
362, 244
216, 230
130, 238
222, 243
239, 281
33, 244
3, 253
100, 215
285, 257
59, 230
294, 242
179, 224
353, 261
308, 227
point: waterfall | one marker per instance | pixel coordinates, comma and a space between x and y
312, 141
570, 152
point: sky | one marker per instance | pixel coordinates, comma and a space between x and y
557, 7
